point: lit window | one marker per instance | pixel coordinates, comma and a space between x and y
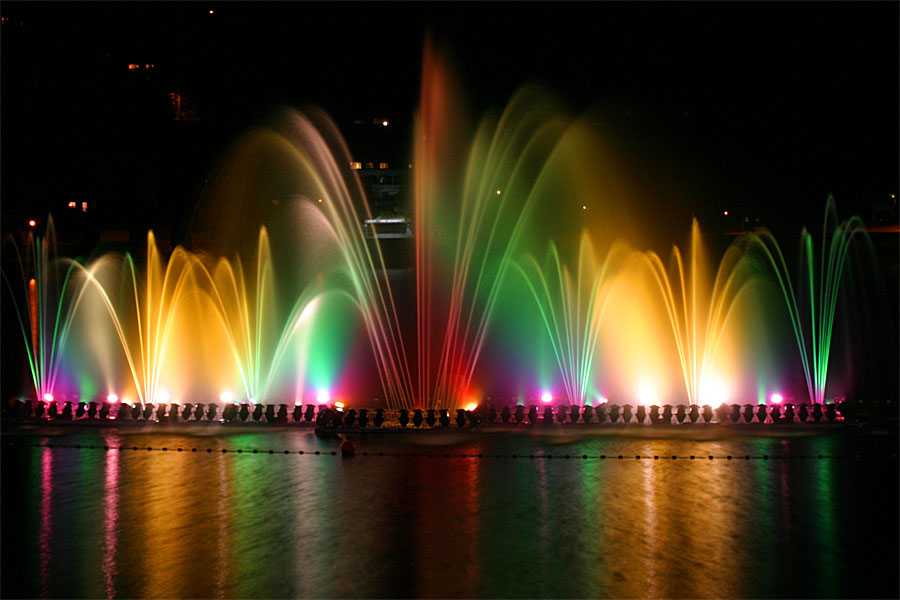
84, 207
382, 165
370, 165
356, 165
72, 204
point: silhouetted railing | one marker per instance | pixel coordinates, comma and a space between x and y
327, 417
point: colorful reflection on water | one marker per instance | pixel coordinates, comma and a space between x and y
136, 523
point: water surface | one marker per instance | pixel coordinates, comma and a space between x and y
95, 523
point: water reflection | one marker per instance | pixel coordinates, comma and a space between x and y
221, 565
649, 527
197, 524
45, 536
825, 518
110, 520
445, 525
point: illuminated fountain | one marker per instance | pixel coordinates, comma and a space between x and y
698, 312
198, 311
572, 307
258, 341
811, 298
45, 296
459, 276
524, 177
267, 311
142, 306
325, 205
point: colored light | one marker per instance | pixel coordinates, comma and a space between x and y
385, 123
339, 405
226, 396
163, 396
583, 207
319, 200
546, 397
471, 406
725, 213
602, 400
777, 398
112, 398
48, 397
646, 394
715, 393
323, 397
498, 192
32, 223
212, 12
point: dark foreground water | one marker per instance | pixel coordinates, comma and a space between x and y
151, 524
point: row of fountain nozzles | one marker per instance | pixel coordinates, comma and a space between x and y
326, 416
613, 414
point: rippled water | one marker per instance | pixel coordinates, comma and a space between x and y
150, 524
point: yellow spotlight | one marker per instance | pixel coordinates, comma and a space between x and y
646, 393
715, 393
471, 406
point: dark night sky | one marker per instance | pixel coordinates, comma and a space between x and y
772, 105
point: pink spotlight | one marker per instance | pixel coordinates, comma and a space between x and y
323, 397
777, 398
546, 397
48, 397
112, 398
